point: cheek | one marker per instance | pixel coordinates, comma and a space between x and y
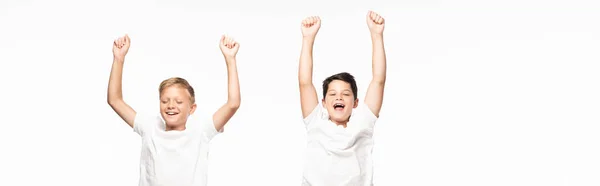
185, 108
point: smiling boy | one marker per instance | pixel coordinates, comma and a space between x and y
340, 128
174, 150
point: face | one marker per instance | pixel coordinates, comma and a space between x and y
175, 107
339, 101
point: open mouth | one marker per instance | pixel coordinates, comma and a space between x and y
338, 106
170, 113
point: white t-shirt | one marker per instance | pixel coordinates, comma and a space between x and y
170, 158
336, 155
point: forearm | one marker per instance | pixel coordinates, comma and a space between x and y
306, 62
379, 59
233, 88
114, 83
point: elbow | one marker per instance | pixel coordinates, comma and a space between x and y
110, 100
113, 100
111, 103
304, 79
379, 81
234, 104
304, 82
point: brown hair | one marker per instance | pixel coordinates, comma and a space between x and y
179, 82
343, 76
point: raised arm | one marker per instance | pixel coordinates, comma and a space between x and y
115, 95
308, 93
229, 48
374, 97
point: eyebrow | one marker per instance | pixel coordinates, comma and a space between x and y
342, 90
169, 98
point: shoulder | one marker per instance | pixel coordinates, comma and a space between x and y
316, 115
202, 126
144, 123
363, 114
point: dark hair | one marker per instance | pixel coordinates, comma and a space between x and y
344, 76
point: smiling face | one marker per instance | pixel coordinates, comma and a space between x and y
177, 102
339, 101
175, 107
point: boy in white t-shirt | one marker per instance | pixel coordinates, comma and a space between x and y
174, 149
340, 130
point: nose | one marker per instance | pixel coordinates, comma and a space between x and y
170, 105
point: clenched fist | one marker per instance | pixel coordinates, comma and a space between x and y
375, 22
229, 47
121, 47
310, 26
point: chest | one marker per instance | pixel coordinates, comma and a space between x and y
172, 148
338, 156
327, 137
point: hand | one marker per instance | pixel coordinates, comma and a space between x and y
229, 47
375, 22
310, 26
121, 47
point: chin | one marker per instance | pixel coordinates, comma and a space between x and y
173, 124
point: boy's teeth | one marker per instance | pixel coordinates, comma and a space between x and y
338, 105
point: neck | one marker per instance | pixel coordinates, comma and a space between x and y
178, 128
340, 123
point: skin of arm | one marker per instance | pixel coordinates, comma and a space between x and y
115, 94
308, 94
374, 96
229, 48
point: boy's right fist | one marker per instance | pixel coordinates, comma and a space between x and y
120, 47
310, 26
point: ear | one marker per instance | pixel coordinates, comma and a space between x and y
193, 109
323, 102
355, 103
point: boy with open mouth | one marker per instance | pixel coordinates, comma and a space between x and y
339, 129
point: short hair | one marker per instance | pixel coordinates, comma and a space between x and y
343, 76
179, 82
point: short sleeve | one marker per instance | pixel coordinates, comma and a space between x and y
315, 115
363, 114
143, 123
208, 129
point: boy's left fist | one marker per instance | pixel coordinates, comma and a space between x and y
375, 22
229, 47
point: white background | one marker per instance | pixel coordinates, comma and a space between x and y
478, 92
